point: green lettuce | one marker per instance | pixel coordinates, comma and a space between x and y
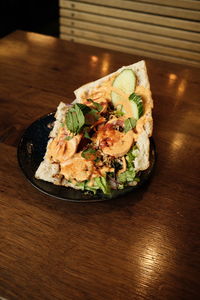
100, 183
129, 175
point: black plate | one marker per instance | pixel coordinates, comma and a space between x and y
31, 150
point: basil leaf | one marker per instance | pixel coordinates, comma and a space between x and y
88, 153
84, 108
75, 119
129, 124
69, 121
80, 117
132, 122
94, 113
97, 105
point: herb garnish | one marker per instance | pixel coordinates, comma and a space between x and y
75, 118
93, 114
129, 124
84, 108
97, 105
89, 153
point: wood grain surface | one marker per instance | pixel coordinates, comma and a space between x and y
142, 246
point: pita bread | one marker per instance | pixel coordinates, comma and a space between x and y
50, 171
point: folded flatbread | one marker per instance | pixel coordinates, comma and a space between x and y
101, 140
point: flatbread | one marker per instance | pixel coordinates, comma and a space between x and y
50, 172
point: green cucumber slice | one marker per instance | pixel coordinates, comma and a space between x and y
137, 105
125, 81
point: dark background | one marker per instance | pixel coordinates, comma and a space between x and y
32, 15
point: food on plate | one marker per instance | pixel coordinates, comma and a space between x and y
101, 140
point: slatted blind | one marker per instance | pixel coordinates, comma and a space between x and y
167, 29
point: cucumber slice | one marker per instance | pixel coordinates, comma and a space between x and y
137, 105
126, 82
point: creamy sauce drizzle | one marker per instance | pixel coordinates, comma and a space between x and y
60, 150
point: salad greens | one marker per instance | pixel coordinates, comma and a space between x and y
129, 175
100, 183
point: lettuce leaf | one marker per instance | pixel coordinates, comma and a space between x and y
130, 174
102, 183
127, 176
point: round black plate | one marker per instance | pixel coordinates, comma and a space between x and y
31, 150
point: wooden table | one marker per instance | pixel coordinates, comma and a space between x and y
143, 246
